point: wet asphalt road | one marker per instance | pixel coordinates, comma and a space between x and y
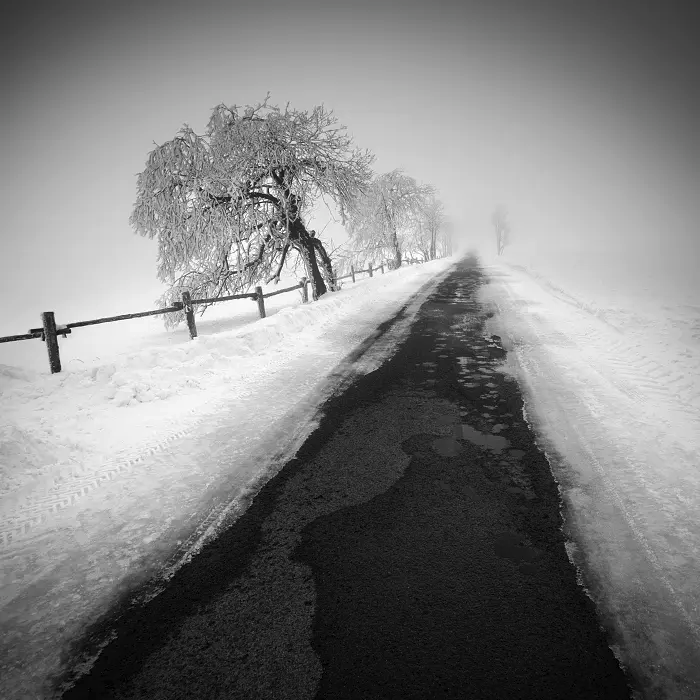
412, 549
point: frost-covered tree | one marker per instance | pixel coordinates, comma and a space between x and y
228, 206
444, 246
384, 212
501, 227
434, 217
416, 242
348, 256
422, 238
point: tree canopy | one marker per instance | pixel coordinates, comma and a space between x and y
227, 206
427, 227
384, 212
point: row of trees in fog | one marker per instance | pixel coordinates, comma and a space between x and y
230, 207
396, 217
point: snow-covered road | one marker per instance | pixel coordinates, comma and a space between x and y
194, 445
622, 431
116, 471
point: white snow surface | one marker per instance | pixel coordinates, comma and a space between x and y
609, 362
151, 452
113, 473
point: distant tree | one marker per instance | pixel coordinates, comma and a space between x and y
501, 227
416, 244
433, 215
381, 214
227, 206
443, 246
419, 242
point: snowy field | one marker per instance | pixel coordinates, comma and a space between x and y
608, 356
115, 472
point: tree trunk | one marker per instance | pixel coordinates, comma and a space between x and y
326, 264
303, 243
393, 238
306, 249
307, 246
396, 248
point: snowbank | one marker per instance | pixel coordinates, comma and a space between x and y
651, 306
51, 423
614, 399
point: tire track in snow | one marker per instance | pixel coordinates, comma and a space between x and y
632, 496
588, 413
22, 516
623, 368
645, 431
660, 391
30, 512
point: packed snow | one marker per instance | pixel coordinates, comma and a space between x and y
150, 452
114, 473
609, 362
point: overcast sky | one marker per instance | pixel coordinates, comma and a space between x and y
581, 117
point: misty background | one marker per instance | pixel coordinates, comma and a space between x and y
581, 118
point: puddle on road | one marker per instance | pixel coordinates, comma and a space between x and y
450, 447
511, 546
490, 442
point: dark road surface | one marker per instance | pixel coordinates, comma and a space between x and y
412, 549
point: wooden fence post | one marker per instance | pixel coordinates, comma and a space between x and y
261, 301
189, 314
49, 323
304, 291
370, 270
352, 273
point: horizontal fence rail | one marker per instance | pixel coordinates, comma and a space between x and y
354, 272
109, 319
228, 298
22, 336
372, 270
50, 330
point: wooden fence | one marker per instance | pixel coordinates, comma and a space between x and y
354, 272
372, 270
50, 330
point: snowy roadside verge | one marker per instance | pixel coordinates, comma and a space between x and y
57, 427
645, 338
120, 522
650, 305
620, 430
